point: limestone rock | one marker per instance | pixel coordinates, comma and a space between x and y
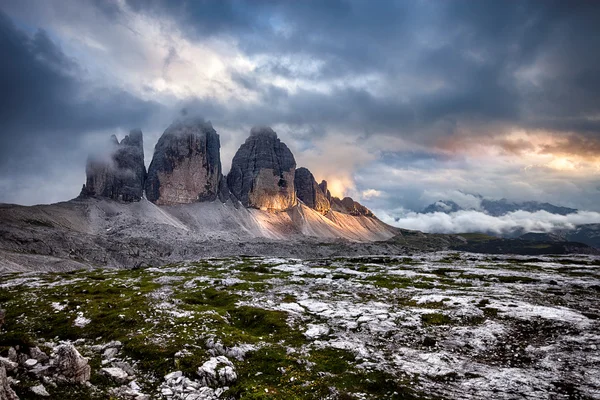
8, 364
116, 374
262, 172
69, 365
348, 206
186, 166
309, 192
37, 354
6, 392
40, 390
118, 171
218, 371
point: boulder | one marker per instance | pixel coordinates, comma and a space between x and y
115, 374
37, 354
39, 390
218, 371
69, 365
8, 365
262, 172
117, 171
309, 192
186, 166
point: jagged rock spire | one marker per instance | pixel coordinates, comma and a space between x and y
309, 192
118, 171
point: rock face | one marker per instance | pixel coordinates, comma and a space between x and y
262, 172
348, 206
186, 166
326, 192
309, 192
118, 172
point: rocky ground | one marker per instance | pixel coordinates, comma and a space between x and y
436, 325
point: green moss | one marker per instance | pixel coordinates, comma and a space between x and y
433, 319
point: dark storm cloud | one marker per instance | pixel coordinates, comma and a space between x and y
428, 74
47, 103
477, 53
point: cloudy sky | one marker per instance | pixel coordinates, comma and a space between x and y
397, 104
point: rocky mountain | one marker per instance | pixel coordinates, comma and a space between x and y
348, 206
498, 208
443, 206
186, 166
309, 192
190, 210
503, 206
588, 234
118, 171
263, 171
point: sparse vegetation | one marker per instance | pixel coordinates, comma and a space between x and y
344, 328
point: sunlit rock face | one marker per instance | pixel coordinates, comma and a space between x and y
309, 192
186, 166
262, 172
326, 192
117, 171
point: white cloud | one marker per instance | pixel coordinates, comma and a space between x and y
370, 193
475, 221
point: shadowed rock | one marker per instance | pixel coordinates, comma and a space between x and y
262, 172
309, 192
118, 172
186, 166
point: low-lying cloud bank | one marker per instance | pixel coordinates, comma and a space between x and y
476, 221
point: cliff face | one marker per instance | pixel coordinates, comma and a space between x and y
309, 192
262, 172
118, 172
186, 166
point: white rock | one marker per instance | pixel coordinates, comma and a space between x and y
110, 353
40, 390
173, 375
113, 344
30, 363
316, 331
116, 374
218, 371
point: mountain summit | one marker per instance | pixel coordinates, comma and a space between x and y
117, 171
186, 166
262, 172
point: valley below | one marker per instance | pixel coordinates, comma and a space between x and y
440, 325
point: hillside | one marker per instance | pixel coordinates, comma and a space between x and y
101, 232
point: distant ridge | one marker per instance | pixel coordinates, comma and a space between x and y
498, 208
